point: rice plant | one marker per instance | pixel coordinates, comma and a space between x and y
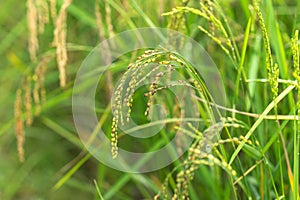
247, 148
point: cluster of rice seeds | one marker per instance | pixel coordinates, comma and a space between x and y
53, 9
215, 39
236, 140
25, 97
114, 135
196, 131
28, 100
182, 183
135, 73
125, 89
37, 18
19, 125
32, 21
153, 89
212, 160
233, 122
196, 158
296, 73
187, 174
137, 77
60, 37
209, 5
116, 107
273, 70
42, 14
177, 23
118, 104
39, 92
295, 51
23, 104
215, 25
164, 193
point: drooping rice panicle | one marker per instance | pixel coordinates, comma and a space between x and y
19, 125
60, 37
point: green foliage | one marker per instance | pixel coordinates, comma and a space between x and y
256, 155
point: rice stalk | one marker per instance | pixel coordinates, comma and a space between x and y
60, 37
154, 65
135, 72
197, 157
215, 24
106, 52
296, 73
186, 175
209, 5
273, 70
98, 16
108, 19
215, 39
247, 172
177, 23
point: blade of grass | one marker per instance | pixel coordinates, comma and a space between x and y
71, 137
69, 174
254, 64
242, 61
98, 190
245, 4
145, 17
6, 126
260, 119
276, 39
12, 35
16, 181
